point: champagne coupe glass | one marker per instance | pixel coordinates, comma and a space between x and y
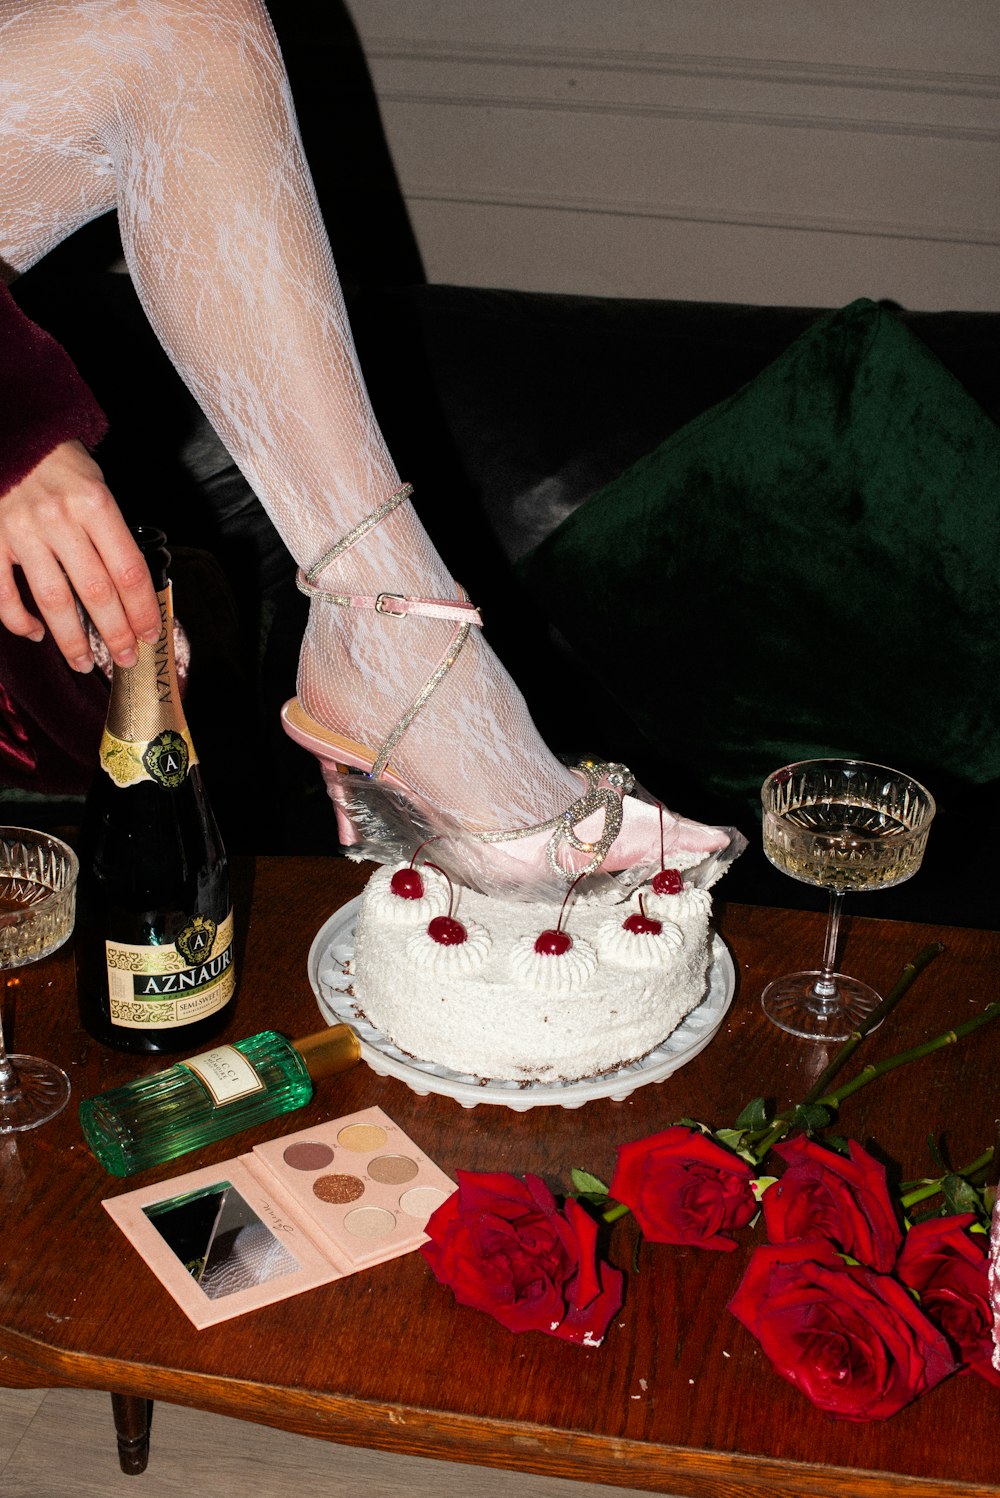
37, 902
844, 825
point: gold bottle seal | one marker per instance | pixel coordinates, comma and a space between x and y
146, 735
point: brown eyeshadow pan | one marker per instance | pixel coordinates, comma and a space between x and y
392, 1170
338, 1189
307, 1154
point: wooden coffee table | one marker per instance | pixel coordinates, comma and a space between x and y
679, 1398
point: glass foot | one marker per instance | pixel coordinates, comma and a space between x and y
794, 1004
40, 1091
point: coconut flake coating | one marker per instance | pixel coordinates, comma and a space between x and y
493, 1024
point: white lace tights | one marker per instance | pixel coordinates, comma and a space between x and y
177, 113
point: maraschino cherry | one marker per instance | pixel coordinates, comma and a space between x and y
555, 941
445, 929
641, 924
407, 883
667, 881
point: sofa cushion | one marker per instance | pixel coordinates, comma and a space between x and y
810, 567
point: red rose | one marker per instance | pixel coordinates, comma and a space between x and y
854, 1342
502, 1246
948, 1269
823, 1195
684, 1188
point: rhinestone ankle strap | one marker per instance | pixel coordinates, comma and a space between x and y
396, 606
606, 785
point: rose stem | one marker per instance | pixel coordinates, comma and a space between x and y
879, 1069
927, 1188
870, 1073
912, 970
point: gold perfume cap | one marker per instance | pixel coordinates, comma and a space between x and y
329, 1051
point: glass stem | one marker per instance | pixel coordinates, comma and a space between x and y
825, 989
8, 1076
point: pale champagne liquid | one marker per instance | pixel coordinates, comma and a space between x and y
34, 920
843, 846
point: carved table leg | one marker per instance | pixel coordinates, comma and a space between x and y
132, 1415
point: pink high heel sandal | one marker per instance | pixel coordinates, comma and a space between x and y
377, 810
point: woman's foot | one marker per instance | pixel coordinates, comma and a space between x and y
472, 763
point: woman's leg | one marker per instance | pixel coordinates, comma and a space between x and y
179, 111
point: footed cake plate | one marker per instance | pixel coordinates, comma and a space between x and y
329, 965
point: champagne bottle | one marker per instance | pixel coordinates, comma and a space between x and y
155, 925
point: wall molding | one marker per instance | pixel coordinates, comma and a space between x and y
570, 164
696, 213
702, 114
771, 71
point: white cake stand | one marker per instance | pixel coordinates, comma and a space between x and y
329, 961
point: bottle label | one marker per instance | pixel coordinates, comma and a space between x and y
159, 988
166, 758
226, 1074
146, 736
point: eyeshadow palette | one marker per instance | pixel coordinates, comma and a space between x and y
296, 1212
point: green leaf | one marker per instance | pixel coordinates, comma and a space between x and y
755, 1115
960, 1195
760, 1184
812, 1116
692, 1123
584, 1184
735, 1140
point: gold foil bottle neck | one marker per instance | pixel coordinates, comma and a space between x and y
329, 1051
145, 698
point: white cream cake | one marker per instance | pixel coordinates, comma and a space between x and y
461, 979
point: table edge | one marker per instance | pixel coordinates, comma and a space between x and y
511, 1445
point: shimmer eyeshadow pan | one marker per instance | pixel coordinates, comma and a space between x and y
392, 1170
350, 1177
294, 1213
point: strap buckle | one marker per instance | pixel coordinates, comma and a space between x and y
383, 599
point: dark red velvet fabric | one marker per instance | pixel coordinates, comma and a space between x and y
43, 400
50, 716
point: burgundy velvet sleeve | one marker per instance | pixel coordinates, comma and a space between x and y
43, 400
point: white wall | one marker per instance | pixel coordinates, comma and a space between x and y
788, 151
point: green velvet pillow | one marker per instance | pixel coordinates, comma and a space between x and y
810, 568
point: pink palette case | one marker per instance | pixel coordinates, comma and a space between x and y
292, 1214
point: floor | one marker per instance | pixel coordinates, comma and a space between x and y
59, 1443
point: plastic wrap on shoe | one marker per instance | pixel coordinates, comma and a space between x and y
385, 827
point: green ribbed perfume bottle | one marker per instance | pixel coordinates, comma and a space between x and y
210, 1096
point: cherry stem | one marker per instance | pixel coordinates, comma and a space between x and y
663, 856
566, 899
439, 870
426, 844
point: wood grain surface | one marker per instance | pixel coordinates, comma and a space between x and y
678, 1399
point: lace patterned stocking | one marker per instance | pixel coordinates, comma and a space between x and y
177, 113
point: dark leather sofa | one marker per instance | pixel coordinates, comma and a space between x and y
506, 410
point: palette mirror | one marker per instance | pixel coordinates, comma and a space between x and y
220, 1240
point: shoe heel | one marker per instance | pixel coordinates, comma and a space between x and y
336, 779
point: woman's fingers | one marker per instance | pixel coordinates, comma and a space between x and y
62, 527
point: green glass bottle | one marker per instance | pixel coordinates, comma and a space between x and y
154, 947
210, 1096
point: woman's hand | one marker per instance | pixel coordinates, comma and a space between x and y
61, 525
